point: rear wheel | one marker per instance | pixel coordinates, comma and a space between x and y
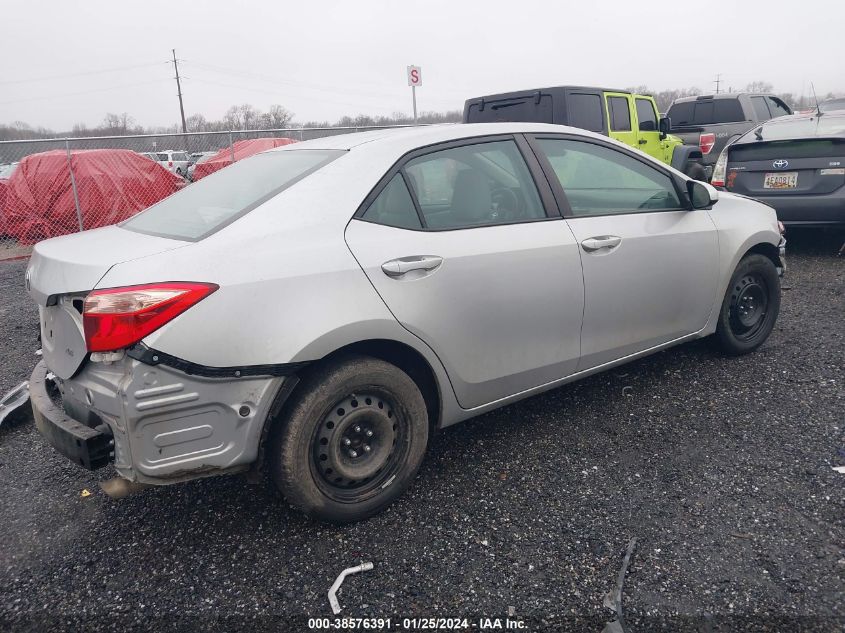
351, 442
750, 307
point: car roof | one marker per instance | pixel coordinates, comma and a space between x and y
722, 95
408, 138
798, 126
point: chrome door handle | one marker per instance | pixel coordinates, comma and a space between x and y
597, 243
402, 265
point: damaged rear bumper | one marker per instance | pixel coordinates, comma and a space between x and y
157, 424
81, 444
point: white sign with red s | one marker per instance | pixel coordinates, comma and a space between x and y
414, 76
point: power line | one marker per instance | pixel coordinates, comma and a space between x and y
276, 93
85, 92
80, 74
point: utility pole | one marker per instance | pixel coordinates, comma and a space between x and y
179, 91
718, 82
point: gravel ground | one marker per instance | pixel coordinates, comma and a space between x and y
721, 468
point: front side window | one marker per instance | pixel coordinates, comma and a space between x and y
777, 107
180, 156
599, 180
219, 199
620, 115
474, 185
646, 116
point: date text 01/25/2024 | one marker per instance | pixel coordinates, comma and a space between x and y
415, 624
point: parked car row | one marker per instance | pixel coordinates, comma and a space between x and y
751, 143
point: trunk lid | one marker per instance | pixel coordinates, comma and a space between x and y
63, 270
794, 167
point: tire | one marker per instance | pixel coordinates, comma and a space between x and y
317, 454
750, 307
696, 171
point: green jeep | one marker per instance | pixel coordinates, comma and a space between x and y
629, 118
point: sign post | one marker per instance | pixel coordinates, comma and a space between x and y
414, 80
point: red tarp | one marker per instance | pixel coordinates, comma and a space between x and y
4, 186
242, 149
113, 185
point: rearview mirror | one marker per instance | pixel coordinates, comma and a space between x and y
664, 125
701, 194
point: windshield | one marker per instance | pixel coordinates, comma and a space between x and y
219, 199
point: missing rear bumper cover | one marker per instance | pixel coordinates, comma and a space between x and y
149, 356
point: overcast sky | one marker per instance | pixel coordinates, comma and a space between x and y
324, 59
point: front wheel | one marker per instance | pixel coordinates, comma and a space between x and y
750, 307
351, 442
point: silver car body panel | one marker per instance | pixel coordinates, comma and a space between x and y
517, 323
291, 290
657, 285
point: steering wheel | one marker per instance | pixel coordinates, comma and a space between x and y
506, 205
653, 202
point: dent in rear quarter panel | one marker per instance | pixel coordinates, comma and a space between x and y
741, 223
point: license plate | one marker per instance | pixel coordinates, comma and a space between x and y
781, 180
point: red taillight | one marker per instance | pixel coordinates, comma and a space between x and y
115, 318
170, 163
706, 142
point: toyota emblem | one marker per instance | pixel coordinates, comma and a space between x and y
780, 163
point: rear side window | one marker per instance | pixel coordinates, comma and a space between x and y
760, 108
474, 185
585, 111
706, 112
727, 111
646, 116
394, 206
620, 115
180, 156
221, 198
162, 156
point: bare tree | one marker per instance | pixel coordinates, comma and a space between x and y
196, 123
279, 116
759, 86
248, 115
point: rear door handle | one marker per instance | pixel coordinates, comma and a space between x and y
643, 141
422, 263
597, 243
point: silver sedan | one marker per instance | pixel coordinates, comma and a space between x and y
318, 310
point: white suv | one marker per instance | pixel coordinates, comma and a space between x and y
174, 161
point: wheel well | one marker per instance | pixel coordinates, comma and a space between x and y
405, 358
768, 250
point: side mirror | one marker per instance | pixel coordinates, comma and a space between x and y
701, 194
664, 125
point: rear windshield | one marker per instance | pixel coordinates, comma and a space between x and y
802, 148
208, 205
706, 112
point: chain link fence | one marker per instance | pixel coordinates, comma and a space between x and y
51, 187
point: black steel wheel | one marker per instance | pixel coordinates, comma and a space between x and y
750, 307
350, 442
355, 446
